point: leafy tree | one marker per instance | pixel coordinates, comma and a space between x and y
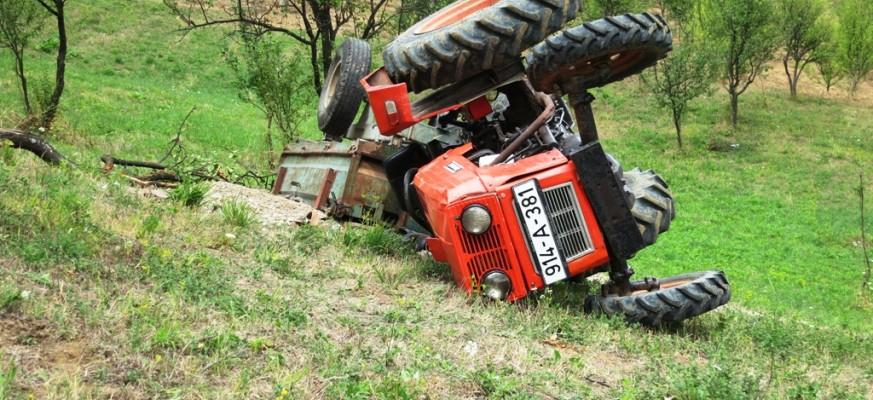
412, 11
594, 9
20, 20
271, 80
855, 51
687, 73
56, 8
679, 12
804, 33
831, 72
743, 31
321, 21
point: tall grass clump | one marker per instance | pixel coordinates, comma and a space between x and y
190, 194
237, 213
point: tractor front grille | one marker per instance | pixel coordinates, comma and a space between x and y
567, 222
486, 252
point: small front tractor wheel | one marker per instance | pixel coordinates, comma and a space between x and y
679, 297
599, 52
471, 36
342, 93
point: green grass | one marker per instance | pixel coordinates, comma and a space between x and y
7, 377
189, 193
134, 297
780, 213
237, 213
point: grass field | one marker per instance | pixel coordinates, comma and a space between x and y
106, 294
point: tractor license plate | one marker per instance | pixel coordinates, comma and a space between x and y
538, 228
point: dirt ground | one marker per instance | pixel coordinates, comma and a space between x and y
269, 209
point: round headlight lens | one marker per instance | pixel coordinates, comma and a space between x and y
476, 219
496, 285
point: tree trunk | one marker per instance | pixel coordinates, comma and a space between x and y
677, 122
269, 142
22, 78
735, 105
52, 107
792, 84
313, 60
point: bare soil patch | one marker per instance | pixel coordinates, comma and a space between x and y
269, 209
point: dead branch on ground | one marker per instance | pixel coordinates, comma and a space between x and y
32, 143
109, 162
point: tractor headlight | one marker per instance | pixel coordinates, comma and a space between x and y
496, 285
476, 219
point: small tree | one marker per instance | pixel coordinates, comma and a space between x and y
827, 63
680, 12
603, 8
743, 32
56, 8
271, 80
685, 74
804, 32
855, 49
412, 11
19, 21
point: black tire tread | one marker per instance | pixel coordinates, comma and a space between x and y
707, 291
487, 39
595, 39
653, 206
335, 118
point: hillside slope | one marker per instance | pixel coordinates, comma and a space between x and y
105, 293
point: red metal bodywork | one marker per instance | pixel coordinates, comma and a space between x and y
451, 182
394, 111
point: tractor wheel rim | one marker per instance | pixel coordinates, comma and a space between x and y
330, 85
664, 286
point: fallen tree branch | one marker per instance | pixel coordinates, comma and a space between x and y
111, 161
143, 183
177, 141
32, 143
161, 176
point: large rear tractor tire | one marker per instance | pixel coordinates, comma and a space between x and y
653, 206
342, 93
599, 52
680, 297
471, 36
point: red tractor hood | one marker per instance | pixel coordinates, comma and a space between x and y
452, 177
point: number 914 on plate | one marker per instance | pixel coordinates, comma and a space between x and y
538, 230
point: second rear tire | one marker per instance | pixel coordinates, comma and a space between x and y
598, 52
471, 36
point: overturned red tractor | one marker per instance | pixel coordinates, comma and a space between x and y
524, 197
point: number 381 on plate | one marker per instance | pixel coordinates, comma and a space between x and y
540, 237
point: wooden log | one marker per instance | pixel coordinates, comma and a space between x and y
109, 160
161, 176
32, 143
